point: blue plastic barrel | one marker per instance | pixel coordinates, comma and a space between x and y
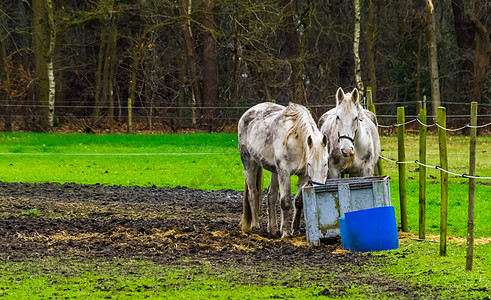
344, 233
373, 229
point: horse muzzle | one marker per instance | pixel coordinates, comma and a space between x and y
347, 152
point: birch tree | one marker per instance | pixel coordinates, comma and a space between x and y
356, 50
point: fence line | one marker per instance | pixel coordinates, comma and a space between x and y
434, 124
434, 167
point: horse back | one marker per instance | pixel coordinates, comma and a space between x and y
257, 131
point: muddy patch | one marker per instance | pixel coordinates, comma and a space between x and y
165, 225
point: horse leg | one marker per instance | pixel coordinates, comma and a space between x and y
256, 218
251, 199
298, 204
285, 203
272, 197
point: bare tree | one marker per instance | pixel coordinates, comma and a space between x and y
435, 79
356, 50
191, 58
107, 61
210, 71
370, 38
464, 33
483, 53
43, 37
5, 73
295, 51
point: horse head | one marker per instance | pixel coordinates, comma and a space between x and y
348, 117
317, 158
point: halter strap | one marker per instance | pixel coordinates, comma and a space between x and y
351, 139
312, 183
347, 137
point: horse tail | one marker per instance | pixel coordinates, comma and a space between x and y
245, 222
246, 203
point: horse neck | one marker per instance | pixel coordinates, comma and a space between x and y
305, 126
362, 138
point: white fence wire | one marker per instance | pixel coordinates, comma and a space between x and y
434, 124
430, 166
434, 167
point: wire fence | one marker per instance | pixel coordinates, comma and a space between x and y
443, 128
434, 167
185, 116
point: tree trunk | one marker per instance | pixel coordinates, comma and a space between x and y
106, 69
210, 81
294, 52
103, 101
101, 58
43, 35
483, 53
136, 59
356, 50
136, 56
112, 67
370, 38
5, 76
132, 86
191, 59
435, 80
464, 32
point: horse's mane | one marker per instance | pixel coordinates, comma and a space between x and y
302, 127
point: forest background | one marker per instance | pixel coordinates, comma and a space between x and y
161, 65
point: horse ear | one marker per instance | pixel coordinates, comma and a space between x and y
339, 95
355, 95
309, 141
324, 141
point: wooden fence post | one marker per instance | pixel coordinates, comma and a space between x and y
402, 167
442, 145
130, 118
472, 187
422, 173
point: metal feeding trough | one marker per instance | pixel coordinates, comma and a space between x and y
325, 204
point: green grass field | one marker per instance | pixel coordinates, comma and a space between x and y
212, 162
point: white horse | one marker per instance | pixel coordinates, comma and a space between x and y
284, 141
354, 143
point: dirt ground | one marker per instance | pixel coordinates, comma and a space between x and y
160, 224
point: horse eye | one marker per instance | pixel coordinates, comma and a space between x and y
356, 118
337, 117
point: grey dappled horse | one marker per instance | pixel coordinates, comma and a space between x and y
284, 141
354, 143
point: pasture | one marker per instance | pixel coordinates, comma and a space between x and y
123, 226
